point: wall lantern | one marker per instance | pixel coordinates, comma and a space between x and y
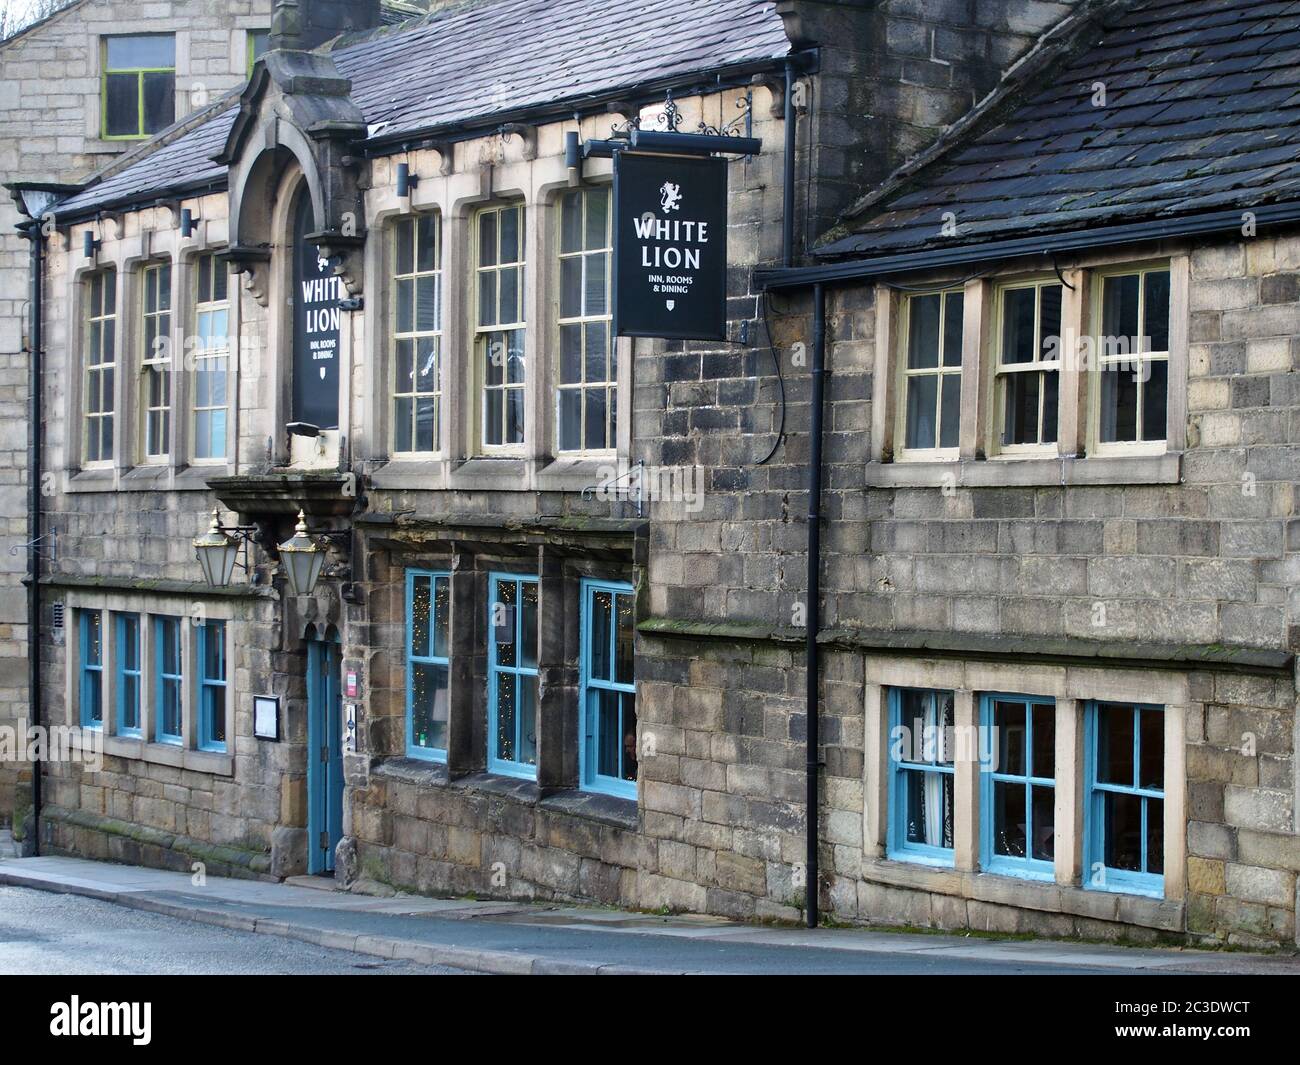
88, 244
218, 551
187, 222
303, 559
406, 181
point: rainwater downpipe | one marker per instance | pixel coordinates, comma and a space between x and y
811, 879
36, 420
787, 187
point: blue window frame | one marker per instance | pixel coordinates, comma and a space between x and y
512, 675
1018, 829
1124, 771
126, 633
608, 753
168, 678
922, 776
213, 679
91, 696
428, 665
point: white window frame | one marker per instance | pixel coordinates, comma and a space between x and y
204, 353
482, 334
582, 320
415, 335
1176, 384
940, 371
157, 361
108, 365
1000, 372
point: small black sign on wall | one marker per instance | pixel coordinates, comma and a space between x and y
670, 246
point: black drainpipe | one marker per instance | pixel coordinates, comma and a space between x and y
36, 416
814, 588
787, 188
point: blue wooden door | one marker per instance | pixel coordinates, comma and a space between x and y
324, 756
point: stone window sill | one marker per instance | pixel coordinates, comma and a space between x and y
1165, 915
212, 762
416, 473
148, 478
590, 806
1011, 472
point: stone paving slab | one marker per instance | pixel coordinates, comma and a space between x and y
515, 938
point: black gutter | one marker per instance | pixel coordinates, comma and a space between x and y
33, 232
1043, 243
168, 195
813, 619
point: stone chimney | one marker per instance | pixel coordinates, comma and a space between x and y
302, 25
894, 75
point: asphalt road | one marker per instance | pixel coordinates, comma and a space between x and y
45, 934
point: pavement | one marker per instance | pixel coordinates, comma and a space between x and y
62, 935
537, 938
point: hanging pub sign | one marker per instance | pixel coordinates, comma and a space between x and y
316, 323
670, 246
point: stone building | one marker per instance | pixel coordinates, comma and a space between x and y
1045, 253
84, 91
57, 78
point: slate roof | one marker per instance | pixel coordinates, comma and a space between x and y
466, 63
180, 166
1202, 113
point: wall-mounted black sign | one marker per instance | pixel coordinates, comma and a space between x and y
670, 247
316, 321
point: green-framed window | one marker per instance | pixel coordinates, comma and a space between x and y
211, 358
417, 333
155, 358
100, 362
138, 85
587, 396
259, 43
499, 323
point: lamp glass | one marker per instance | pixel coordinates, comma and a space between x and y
217, 552
302, 558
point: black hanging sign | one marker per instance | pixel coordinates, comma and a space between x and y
670, 246
316, 322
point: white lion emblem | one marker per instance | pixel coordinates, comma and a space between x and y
670, 197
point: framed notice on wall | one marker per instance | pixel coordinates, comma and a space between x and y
670, 246
266, 717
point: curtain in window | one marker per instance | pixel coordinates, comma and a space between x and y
938, 808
